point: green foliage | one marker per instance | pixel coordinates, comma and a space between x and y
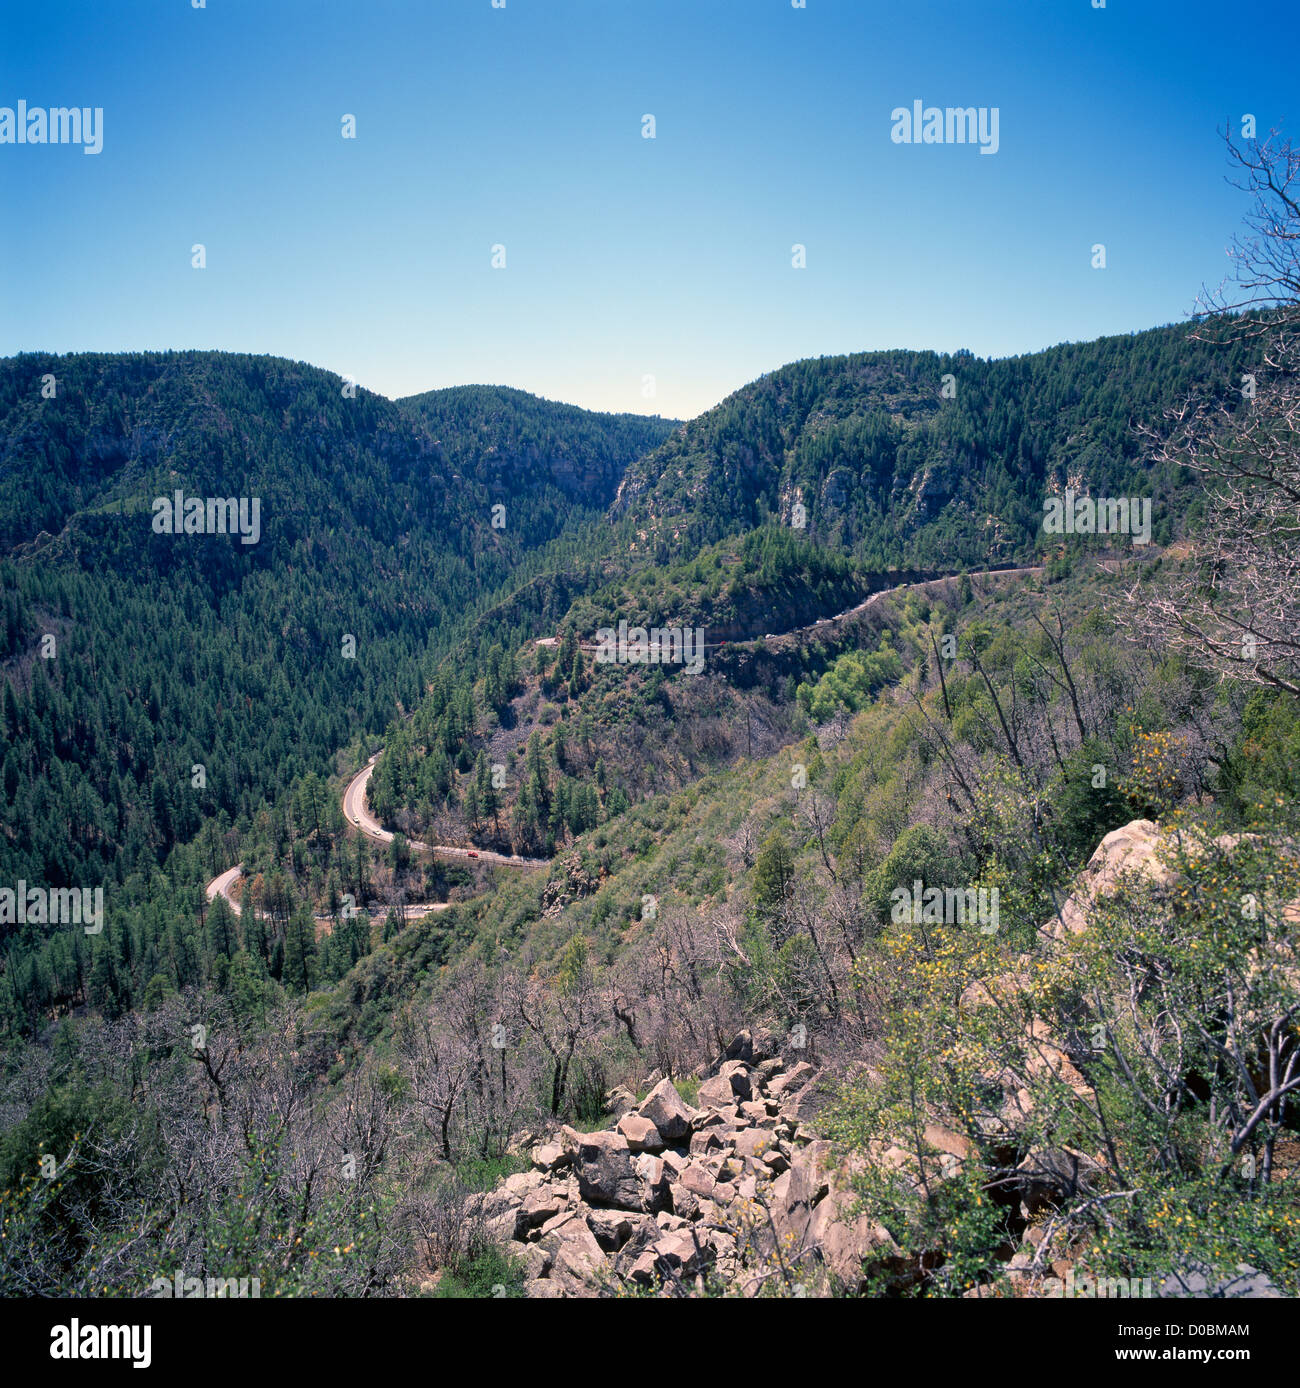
1084, 811
773, 875
920, 854
486, 1271
852, 435
850, 683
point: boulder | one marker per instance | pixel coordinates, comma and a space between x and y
697, 1180
619, 1101
606, 1175
945, 1140
706, 1141
550, 1156
645, 1232
643, 1268
686, 1203
654, 1176
543, 1289
844, 1238
523, 1183
683, 1253
1130, 848
717, 1093
538, 1208
792, 1079
708, 1118
666, 1109
730, 1168
537, 1260
610, 1228
641, 1134
797, 1192
754, 1142
803, 1108
579, 1264
557, 1221
736, 1073
569, 1140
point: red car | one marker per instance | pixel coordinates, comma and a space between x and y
471, 853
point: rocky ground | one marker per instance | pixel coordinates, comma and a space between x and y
740, 1190
735, 1188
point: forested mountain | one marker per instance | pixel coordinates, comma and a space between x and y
891, 476
503, 438
897, 473
191, 679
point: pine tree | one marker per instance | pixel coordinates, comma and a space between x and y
300, 951
221, 928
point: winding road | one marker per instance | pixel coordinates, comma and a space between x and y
354, 794
356, 814
224, 885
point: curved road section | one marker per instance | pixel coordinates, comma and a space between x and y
354, 796
356, 814
225, 886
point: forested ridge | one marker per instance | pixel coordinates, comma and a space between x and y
896, 473
195, 681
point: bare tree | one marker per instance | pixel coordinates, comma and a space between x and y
1235, 605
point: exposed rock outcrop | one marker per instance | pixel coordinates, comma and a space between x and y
736, 1188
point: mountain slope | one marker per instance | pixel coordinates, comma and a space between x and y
506, 439
891, 471
254, 662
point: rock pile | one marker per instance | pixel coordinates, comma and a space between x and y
736, 1187
739, 1187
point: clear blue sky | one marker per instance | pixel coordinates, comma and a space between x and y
626, 257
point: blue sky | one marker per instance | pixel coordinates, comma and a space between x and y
625, 257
